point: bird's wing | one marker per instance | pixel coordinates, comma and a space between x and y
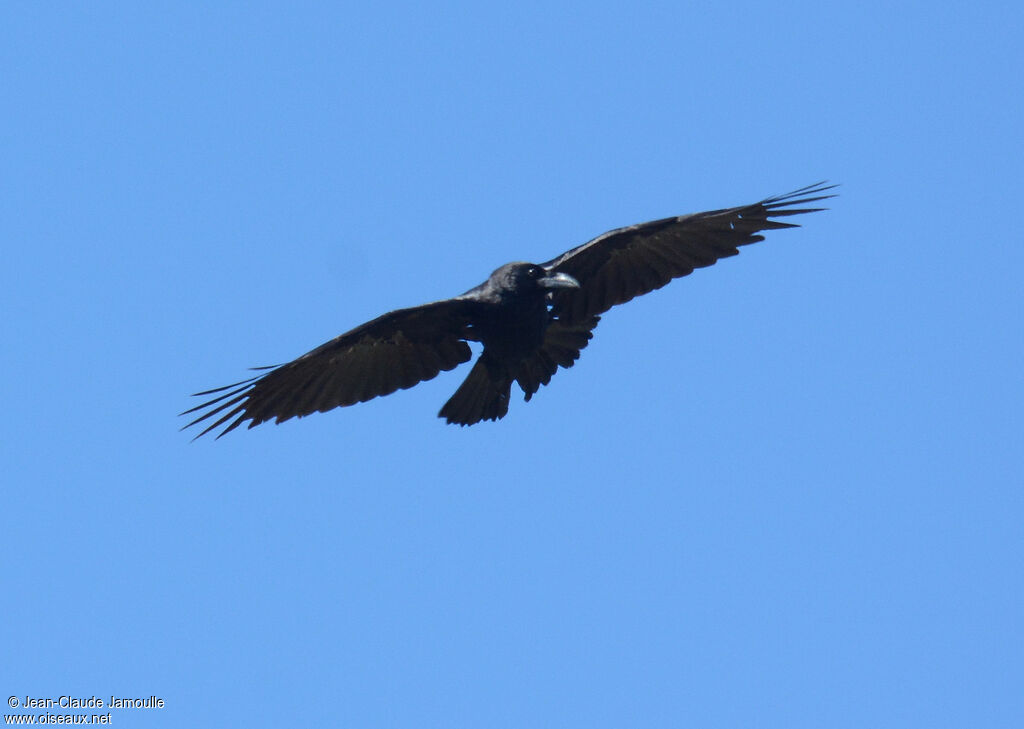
627, 262
394, 351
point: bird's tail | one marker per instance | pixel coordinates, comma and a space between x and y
483, 395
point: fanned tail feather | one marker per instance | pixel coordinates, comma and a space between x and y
483, 395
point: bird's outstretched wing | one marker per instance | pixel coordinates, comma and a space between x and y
628, 262
394, 351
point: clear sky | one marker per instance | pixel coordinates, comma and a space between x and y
785, 491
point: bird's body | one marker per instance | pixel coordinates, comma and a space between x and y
530, 318
514, 316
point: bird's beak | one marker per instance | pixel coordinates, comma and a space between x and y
558, 281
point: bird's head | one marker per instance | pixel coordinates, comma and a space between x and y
523, 277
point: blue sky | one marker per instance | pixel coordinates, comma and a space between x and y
782, 492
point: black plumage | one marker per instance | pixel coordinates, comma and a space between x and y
530, 318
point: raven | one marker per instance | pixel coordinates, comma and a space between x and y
530, 318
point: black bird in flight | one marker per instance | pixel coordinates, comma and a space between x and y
530, 318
